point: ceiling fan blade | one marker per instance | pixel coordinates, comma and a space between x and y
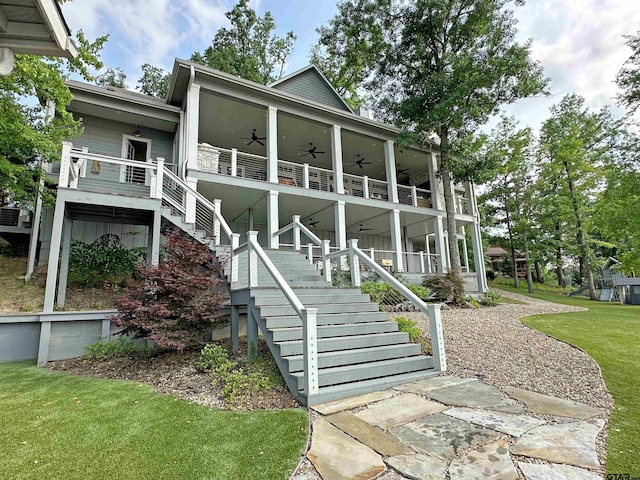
262, 138
250, 142
313, 155
366, 163
260, 142
317, 151
303, 155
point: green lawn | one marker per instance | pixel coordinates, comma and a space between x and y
59, 426
610, 333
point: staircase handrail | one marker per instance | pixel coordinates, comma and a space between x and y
431, 310
202, 199
298, 227
308, 316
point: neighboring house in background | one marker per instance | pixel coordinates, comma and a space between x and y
497, 255
34, 27
223, 156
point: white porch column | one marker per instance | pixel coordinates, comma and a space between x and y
154, 232
272, 144
54, 255
396, 240
465, 251
340, 224
273, 222
390, 164
434, 183
438, 235
192, 126
476, 238
67, 226
447, 256
35, 233
190, 201
336, 159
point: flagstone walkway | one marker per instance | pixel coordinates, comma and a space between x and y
457, 428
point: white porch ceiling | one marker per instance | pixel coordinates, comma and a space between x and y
224, 121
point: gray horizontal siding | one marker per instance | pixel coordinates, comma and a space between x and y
310, 85
104, 137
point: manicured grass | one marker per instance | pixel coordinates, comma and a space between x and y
610, 334
59, 426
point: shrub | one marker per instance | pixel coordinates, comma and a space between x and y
238, 380
448, 287
381, 293
491, 275
107, 260
122, 347
178, 301
409, 326
420, 291
490, 299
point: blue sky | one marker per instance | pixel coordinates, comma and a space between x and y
157, 31
579, 42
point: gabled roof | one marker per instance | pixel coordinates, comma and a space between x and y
311, 83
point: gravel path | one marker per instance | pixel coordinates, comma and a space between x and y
493, 345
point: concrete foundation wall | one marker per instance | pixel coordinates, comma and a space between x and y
69, 339
19, 341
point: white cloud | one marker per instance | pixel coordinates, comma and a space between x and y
581, 46
148, 31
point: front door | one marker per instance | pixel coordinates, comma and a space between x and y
136, 149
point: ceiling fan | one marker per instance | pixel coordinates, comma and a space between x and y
360, 162
402, 171
362, 229
312, 151
254, 138
312, 223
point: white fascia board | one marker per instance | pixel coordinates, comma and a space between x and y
52, 17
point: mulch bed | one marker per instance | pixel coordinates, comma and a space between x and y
174, 373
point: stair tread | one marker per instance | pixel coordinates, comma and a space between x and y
345, 390
367, 365
355, 351
327, 327
333, 339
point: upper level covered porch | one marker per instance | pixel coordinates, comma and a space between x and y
241, 129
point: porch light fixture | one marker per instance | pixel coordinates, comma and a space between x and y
137, 133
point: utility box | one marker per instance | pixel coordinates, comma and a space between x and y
208, 158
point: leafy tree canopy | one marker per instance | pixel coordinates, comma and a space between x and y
26, 134
248, 48
112, 77
628, 78
437, 67
154, 81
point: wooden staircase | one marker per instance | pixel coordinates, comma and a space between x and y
359, 349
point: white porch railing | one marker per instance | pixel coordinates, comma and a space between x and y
299, 228
177, 194
308, 316
77, 164
355, 256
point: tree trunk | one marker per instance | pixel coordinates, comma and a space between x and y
513, 249
536, 265
449, 204
559, 272
527, 259
584, 249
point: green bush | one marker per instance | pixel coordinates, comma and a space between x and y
473, 302
122, 347
409, 326
421, 292
448, 287
238, 379
490, 299
107, 260
381, 293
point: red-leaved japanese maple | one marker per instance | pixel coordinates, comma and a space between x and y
177, 302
